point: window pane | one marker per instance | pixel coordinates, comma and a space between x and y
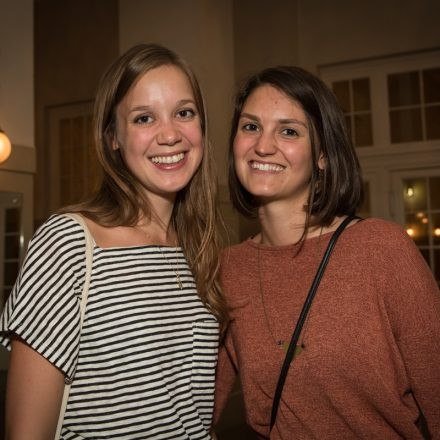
363, 131
434, 190
12, 220
432, 115
361, 94
415, 195
403, 89
417, 230
12, 246
406, 125
436, 229
437, 265
425, 254
431, 85
342, 92
11, 273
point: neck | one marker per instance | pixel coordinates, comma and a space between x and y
281, 223
284, 225
158, 225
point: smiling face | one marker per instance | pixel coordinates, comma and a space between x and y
158, 131
272, 147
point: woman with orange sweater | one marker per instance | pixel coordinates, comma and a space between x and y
363, 361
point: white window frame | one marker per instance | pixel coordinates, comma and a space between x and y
383, 158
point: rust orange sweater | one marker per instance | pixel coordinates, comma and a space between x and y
372, 338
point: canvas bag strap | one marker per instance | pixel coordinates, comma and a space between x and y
83, 303
302, 317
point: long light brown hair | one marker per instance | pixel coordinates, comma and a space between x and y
120, 198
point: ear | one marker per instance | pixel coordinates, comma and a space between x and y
115, 143
322, 162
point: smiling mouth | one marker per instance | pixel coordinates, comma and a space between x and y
176, 158
266, 166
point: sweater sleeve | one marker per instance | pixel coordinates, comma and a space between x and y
412, 300
226, 373
43, 308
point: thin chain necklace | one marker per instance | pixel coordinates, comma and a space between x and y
178, 280
281, 343
278, 342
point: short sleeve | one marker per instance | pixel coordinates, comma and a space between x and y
43, 307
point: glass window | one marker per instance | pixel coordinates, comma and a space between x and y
11, 241
403, 89
342, 92
432, 115
406, 125
421, 198
355, 100
431, 85
414, 116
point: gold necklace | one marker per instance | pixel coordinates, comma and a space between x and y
281, 343
178, 280
278, 342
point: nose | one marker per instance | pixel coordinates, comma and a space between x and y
265, 145
168, 134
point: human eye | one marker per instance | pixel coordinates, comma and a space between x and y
290, 132
186, 113
250, 127
143, 119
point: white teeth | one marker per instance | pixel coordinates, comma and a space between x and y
266, 166
168, 159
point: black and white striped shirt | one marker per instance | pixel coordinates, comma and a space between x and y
145, 359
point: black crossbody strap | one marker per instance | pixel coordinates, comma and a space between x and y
302, 318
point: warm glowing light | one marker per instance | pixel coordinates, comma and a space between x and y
437, 232
410, 191
425, 220
5, 146
420, 215
410, 232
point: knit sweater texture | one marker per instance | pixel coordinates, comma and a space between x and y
371, 354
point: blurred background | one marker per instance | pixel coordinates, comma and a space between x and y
381, 58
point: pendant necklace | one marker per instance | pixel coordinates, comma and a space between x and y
281, 343
178, 280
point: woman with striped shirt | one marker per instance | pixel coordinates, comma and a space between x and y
143, 364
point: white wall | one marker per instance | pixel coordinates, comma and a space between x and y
202, 32
346, 30
16, 71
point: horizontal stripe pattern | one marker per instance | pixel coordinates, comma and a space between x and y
145, 361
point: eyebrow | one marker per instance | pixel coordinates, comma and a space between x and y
281, 121
140, 108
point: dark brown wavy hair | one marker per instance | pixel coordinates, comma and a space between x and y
340, 190
120, 198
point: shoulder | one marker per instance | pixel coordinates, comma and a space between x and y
390, 251
60, 234
379, 232
58, 225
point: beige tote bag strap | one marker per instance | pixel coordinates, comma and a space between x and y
84, 295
